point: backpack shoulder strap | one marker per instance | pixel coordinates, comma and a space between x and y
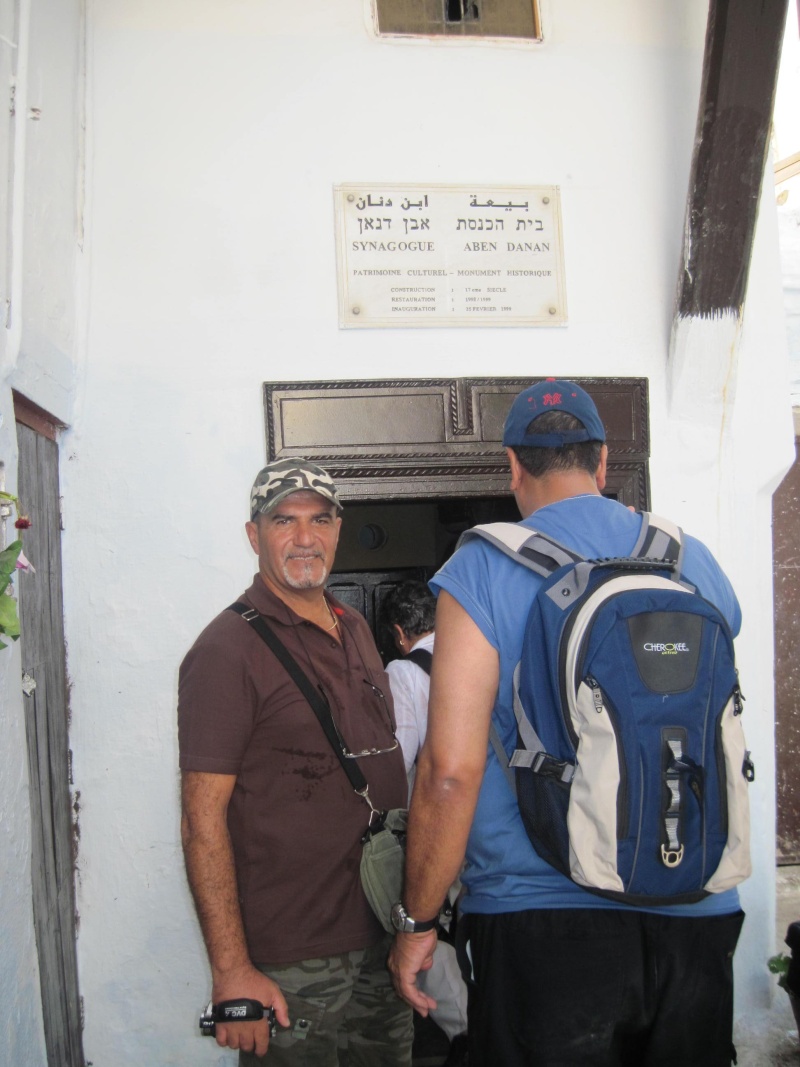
532, 754
422, 657
502, 758
659, 539
531, 548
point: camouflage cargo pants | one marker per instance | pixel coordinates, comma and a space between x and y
338, 1003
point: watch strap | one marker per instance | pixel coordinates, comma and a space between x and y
422, 926
406, 924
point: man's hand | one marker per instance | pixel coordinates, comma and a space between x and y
249, 1036
212, 879
410, 954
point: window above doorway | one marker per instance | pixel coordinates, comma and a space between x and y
516, 19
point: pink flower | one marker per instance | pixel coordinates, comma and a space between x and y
24, 564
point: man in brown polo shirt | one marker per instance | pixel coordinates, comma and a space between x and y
271, 825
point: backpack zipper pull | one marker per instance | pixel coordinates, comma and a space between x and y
597, 694
738, 700
748, 767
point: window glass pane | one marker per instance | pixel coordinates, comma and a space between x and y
460, 18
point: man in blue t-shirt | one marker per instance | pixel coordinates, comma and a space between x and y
561, 977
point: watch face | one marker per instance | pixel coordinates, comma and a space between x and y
399, 917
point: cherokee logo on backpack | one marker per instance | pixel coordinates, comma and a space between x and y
630, 767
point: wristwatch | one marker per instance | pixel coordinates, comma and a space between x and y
403, 922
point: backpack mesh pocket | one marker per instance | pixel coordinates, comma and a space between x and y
543, 804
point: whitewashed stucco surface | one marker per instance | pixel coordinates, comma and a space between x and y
214, 136
41, 56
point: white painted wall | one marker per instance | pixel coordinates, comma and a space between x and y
214, 136
41, 45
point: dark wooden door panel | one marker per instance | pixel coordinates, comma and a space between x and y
365, 591
46, 717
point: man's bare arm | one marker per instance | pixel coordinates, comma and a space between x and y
212, 879
450, 768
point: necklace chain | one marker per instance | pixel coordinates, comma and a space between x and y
334, 620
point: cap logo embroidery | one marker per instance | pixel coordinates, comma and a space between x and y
552, 395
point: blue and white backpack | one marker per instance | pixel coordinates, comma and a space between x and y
630, 766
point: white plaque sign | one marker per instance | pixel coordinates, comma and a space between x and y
449, 255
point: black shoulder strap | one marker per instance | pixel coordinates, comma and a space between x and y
422, 657
315, 697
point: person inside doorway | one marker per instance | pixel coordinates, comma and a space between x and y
409, 612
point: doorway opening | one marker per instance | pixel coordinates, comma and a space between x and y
385, 543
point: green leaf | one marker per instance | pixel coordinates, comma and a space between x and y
779, 964
8, 564
8, 558
9, 619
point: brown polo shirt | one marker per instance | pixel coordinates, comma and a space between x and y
295, 822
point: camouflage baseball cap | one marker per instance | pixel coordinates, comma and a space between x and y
286, 476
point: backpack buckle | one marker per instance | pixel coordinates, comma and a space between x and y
671, 857
550, 767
